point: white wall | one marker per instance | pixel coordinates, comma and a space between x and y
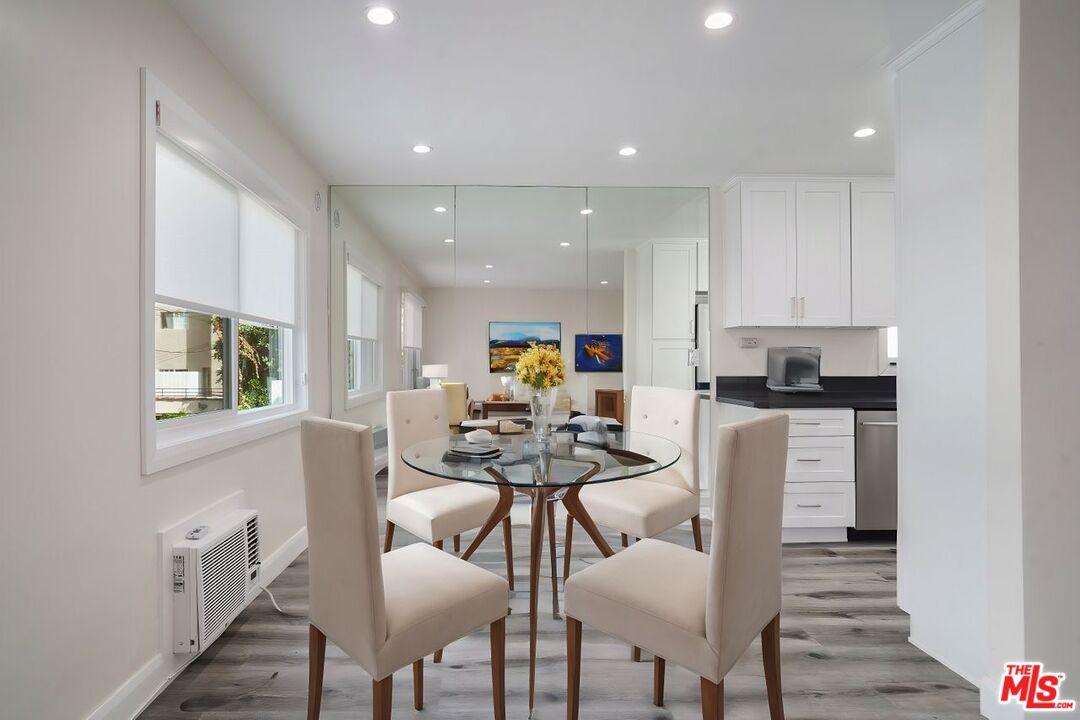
456, 332
942, 384
81, 571
1049, 211
371, 255
844, 351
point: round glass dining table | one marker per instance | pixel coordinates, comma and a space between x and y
549, 471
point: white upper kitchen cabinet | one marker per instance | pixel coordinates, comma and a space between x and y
808, 252
873, 253
823, 239
759, 252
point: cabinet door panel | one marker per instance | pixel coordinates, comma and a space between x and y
673, 286
873, 254
671, 365
823, 228
768, 253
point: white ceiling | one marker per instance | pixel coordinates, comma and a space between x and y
518, 230
546, 92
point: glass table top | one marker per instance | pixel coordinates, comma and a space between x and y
562, 461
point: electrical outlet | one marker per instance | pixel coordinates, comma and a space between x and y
748, 342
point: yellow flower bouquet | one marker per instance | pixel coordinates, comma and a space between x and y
541, 367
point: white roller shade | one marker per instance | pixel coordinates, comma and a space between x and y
362, 305
267, 263
196, 238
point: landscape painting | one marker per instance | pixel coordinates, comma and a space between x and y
507, 340
598, 353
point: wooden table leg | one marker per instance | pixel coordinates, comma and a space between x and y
554, 560
536, 549
577, 511
506, 500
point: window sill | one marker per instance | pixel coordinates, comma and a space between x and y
358, 398
172, 446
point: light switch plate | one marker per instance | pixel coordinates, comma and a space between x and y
748, 342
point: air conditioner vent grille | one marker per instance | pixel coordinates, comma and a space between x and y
253, 541
224, 584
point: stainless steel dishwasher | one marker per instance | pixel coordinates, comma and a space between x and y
875, 470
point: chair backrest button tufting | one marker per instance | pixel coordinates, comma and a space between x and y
676, 422
436, 417
407, 421
644, 417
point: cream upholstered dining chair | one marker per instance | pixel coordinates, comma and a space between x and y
429, 507
647, 506
700, 611
457, 403
381, 608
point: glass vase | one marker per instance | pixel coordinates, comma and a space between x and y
541, 406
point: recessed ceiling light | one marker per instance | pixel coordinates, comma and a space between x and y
421, 149
440, 209
628, 151
564, 244
489, 266
487, 282
719, 20
448, 240
603, 282
380, 15
587, 211
864, 132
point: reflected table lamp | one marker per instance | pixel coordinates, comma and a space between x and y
435, 374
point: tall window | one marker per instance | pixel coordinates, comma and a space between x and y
222, 291
363, 365
412, 325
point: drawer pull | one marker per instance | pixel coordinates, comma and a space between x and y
805, 422
807, 506
807, 459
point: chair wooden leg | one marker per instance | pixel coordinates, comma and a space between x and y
635, 654
712, 700
568, 540
382, 692
625, 539
770, 650
437, 544
418, 684
498, 667
695, 523
388, 542
659, 665
573, 667
554, 560
316, 664
457, 543
438, 655
508, 548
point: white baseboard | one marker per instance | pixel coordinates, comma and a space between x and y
149, 681
814, 535
989, 707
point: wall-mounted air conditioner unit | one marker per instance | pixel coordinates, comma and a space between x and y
213, 578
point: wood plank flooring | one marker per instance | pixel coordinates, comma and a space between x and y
843, 645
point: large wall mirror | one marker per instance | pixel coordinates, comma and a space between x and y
435, 284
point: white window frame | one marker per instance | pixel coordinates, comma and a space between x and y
167, 443
367, 393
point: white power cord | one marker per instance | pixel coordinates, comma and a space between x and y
274, 601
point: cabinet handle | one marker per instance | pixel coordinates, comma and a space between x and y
802, 307
793, 313
807, 506
805, 422
882, 423
807, 459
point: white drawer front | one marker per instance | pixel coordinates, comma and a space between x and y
824, 421
819, 504
821, 459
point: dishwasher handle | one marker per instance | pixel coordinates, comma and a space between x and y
879, 423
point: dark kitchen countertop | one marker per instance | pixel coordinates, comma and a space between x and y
859, 392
